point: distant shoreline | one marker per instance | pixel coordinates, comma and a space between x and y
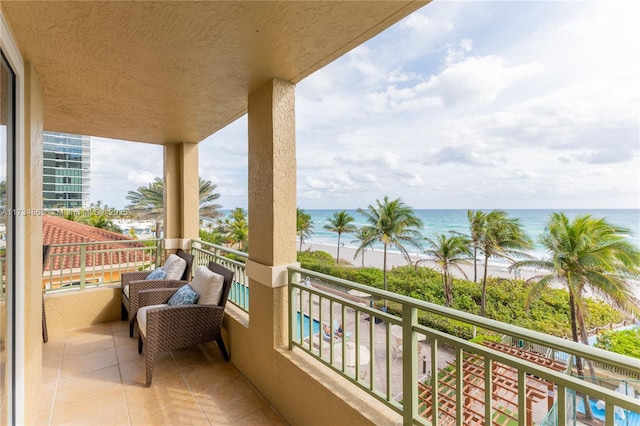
375, 259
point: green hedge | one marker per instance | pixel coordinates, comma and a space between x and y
624, 342
505, 298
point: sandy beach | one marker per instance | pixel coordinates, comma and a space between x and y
375, 259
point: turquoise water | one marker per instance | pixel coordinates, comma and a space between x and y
239, 294
630, 418
533, 222
305, 326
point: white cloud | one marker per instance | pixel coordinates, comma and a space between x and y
457, 52
119, 166
477, 80
460, 105
140, 177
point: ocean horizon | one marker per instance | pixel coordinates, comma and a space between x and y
440, 221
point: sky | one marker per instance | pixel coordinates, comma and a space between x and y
469, 105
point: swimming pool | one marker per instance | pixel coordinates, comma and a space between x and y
630, 418
239, 294
305, 326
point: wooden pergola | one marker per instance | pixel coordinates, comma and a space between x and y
504, 390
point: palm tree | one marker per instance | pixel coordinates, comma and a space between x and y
207, 196
586, 253
99, 217
476, 223
148, 201
394, 224
448, 252
502, 237
366, 236
239, 228
340, 223
303, 225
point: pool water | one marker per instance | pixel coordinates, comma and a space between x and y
305, 326
631, 418
239, 294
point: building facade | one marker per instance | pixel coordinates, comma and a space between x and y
66, 170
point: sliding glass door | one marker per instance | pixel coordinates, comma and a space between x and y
7, 143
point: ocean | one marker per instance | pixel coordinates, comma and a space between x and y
533, 222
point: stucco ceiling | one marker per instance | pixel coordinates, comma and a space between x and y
164, 72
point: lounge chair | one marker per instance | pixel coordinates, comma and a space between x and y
326, 331
396, 339
337, 331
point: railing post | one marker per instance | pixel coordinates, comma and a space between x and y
83, 267
290, 275
409, 365
158, 252
195, 252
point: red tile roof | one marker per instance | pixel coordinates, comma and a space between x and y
57, 230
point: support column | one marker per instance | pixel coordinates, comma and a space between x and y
272, 204
181, 194
30, 163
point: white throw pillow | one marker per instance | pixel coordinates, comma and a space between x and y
208, 285
174, 267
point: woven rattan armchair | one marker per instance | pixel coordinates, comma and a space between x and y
137, 281
173, 327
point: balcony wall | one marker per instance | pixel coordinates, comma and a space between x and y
68, 310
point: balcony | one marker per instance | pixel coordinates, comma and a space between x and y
396, 365
94, 375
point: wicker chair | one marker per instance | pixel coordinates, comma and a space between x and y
174, 327
137, 281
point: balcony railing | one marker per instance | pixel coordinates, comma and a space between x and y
81, 265
205, 252
418, 370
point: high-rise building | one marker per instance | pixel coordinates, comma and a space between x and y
66, 170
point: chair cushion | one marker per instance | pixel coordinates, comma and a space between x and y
184, 296
208, 285
142, 317
125, 290
157, 274
174, 267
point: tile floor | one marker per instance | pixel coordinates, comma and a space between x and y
95, 376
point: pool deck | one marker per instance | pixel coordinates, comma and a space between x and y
379, 346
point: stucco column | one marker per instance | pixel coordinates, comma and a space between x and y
181, 194
272, 204
31, 165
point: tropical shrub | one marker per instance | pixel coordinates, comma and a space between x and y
549, 313
624, 342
